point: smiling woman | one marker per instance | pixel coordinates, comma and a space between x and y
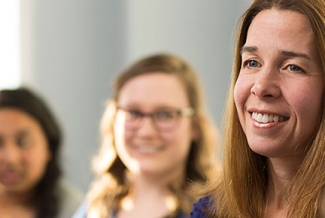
157, 142
276, 81
275, 124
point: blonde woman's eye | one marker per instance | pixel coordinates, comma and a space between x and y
164, 115
133, 115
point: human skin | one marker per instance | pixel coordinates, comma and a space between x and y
148, 151
280, 75
24, 153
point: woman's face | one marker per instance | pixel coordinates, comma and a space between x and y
23, 152
280, 89
148, 149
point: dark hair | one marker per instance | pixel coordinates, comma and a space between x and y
46, 191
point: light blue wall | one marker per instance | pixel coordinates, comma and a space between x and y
72, 49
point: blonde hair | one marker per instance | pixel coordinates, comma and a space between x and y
242, 190
112, 184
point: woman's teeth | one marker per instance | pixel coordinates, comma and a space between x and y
148, 148
267, 118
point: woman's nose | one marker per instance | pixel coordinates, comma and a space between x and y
266, 84
147, 126
9, 153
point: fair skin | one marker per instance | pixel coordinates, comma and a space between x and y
279, 96
23, 157
154, 158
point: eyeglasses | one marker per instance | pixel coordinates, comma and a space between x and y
164, 119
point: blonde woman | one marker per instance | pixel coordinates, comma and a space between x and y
158, 142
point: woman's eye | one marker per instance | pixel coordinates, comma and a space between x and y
164, 115
133, 115
294, 68
23, 142
251, 63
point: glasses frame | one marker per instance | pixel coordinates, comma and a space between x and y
183, 112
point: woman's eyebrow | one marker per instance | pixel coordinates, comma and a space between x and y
283, 52
248, 49
295, 54
23, 132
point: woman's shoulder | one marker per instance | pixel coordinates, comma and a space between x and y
81, 212
71, 198
201, 207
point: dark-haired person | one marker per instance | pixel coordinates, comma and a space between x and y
30, 140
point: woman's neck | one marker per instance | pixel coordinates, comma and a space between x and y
147, 203
16, 205
15, 197
148, 198
281, 173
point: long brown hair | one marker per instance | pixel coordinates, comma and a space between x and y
111, 184
242, 190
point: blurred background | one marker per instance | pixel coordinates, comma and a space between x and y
69, 52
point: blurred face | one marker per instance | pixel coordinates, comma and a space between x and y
23, 151
148, 149
280, 89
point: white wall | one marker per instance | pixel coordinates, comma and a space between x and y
72, 49
200, 31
